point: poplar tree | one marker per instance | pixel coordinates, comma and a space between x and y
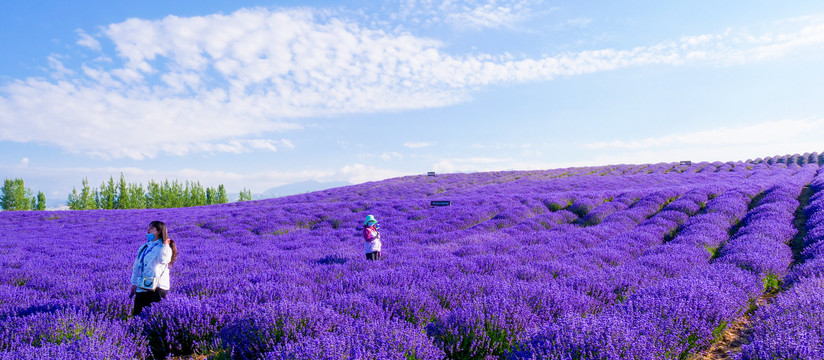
41, 201
124, 200
210, 195
245, 195
197, 194
221, 197
15, 196
108, 195
137, 197
84, 200
153, 195
157, 195
87, 196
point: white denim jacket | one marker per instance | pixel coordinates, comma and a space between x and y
155, 263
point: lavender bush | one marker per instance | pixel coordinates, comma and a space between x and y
615, 262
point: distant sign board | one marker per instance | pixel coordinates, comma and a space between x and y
440, 203
431, 173
686, 162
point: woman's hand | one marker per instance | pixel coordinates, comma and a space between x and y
132, 292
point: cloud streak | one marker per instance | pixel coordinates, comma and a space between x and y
763, 133
738, 143
416, 144
198, 84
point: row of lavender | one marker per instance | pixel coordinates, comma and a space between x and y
516, 256
701, 292
792, 327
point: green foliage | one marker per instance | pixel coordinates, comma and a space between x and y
245, 195
772, 283
156, 195
84, 200
41, 201
719, 330
221, 197
106, 198
15, 196
712, 250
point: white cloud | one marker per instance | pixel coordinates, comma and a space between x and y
469, 14
359, 173
59, 71
87, 41
287, 144
391, 155
24, 162
763, 133
489, 15
416, 145
181, 85
471, 164
730, 143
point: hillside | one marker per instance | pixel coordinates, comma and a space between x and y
649, 261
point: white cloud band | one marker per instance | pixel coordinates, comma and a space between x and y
181, 85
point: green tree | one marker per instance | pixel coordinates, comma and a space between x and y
176, 195
221, 197
41, 201
153, 196
124, 200
98, 199
245, 195
84, 200
15, 196
108, 195
87, 196
197, 195
166, 194
210, 195
137, 197
74, 201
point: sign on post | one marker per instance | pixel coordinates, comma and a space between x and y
440, 203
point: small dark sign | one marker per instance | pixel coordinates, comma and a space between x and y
431, 173
440, 203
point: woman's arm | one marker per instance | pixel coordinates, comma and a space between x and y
166, 252
136, 267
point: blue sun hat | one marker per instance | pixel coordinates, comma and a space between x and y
370, 219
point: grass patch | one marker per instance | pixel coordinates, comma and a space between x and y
772, 283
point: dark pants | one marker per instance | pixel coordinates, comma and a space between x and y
144, 299
375, 255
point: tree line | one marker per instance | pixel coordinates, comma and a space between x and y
111, 194
157, 195
14, 195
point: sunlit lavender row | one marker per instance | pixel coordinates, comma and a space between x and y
793, 326
615, 262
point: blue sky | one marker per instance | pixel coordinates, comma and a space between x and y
260, 94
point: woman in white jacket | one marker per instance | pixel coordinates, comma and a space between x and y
152, 265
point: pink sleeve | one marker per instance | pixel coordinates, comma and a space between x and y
368, 234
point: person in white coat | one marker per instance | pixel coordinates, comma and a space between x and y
372, 238
150, 272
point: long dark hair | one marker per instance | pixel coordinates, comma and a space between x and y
164, 234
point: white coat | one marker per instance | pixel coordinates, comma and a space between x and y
155, 262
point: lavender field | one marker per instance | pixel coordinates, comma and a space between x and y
615, 262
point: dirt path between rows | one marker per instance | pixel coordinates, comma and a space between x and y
734, 336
